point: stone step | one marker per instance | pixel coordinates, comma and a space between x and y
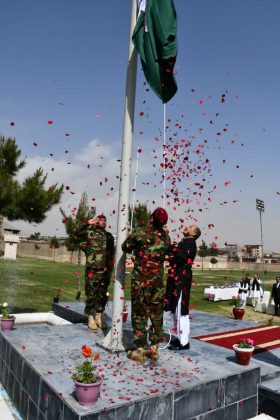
269, 397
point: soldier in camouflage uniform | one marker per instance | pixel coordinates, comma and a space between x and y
99, 250
149, 245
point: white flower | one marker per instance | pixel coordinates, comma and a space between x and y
5, 305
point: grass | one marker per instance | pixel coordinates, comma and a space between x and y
30, 284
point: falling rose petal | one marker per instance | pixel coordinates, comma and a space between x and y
200, 101
226, 183
23, 347
50, 122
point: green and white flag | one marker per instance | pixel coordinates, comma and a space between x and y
154, 38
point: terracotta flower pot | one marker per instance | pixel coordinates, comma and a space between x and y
238, 313
7, 324
87, 394
124, 316
243, 355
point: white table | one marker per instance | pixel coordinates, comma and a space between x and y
220, 293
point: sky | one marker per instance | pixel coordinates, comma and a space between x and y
62, 87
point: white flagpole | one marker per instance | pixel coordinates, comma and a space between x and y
134, 188
113, 340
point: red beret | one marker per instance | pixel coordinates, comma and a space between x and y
101, 216
159, 217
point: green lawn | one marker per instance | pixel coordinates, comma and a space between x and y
29, 284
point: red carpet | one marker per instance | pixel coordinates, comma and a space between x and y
266, 337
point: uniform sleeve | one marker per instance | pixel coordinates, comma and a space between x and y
130, 243
85, 245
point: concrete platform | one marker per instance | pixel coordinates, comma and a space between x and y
269, 397
202, 323
202, 383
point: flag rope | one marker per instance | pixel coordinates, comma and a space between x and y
163, 154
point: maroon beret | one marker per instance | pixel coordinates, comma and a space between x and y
159, 217
101, 216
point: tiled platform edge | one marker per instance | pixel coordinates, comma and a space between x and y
73, 313
269, 398
228, 396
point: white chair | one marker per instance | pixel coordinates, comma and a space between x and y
270, 310
262, 304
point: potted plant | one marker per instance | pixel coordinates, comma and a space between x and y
244, 350
238, 310
7, 320
87, 383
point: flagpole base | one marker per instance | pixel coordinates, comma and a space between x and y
113, 344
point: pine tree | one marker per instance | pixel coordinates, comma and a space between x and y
29, 200
140, 215
75, 226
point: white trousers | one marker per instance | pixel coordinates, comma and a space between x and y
181, 324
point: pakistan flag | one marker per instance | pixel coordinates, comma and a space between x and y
154, 38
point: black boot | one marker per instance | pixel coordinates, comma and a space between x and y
175, 342
179, 347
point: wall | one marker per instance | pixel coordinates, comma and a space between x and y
223, 264
28, 249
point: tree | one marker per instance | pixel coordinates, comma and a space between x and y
213, 260
75, 226
213, 251
54, 243
202, 252
29, 200
140, 215
34, 236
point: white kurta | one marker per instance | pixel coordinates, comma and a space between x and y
244, 292
181, 324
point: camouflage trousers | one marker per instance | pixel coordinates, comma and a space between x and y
96, 288
144, 307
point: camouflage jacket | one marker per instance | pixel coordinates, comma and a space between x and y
149, 246
99, 249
